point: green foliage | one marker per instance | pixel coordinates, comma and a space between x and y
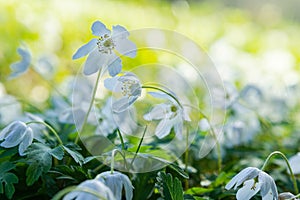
169, 187
7, 179
40, 160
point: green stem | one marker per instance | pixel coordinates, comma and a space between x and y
49, 127
138, 148
212, 130
121, 138
63, 192
90, 106
288, 165
186, 159
112, 164
164, 91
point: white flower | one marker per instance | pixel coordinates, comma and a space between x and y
16, 133
287, 195
94, 186
19, 68
295, 163
247, 177
170, 114
101, 50
130, 88
116, 181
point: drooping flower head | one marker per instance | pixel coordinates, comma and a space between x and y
17, 133
116, 181
130, 88
251, 186
93, 187
101, 50
20, 67
170, 114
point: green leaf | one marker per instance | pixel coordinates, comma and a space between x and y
177, 169
33, 172
58, 152
8, 179
5, 167
78, 158
171, 189
198, 190
40, 160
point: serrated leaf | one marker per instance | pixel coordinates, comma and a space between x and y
58, 152
5, 167
8, 179
171, 187
180, 171
78, 158
40, 160
33, 172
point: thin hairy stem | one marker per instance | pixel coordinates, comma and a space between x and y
288, 165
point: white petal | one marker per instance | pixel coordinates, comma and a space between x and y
115, 67
295, 163
248, 190
21, 67
268, 186
85, 49
94, 62
178, 128
242, 176
119, 31
122, 104
113, 84
125, 47
27, 140
163, 128
15, 134
99, 29
158, 112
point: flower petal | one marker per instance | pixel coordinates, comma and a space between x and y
94, 62
99, 29
85, 49
295, 163
178, 127
268, 187
113, 84
27, 140
248, 190
125, 47
242, 176
119, 31
123, 104
158, 112
15, 134
115, 67
163, 128
21, 67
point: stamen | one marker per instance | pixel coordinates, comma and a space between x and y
105, 44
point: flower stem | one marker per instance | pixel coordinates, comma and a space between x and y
49, 127
288, 165
212, 130
90, 106
112, 164
186, 159
164, 91
138, 148
121, 138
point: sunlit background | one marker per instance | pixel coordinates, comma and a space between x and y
249, 41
